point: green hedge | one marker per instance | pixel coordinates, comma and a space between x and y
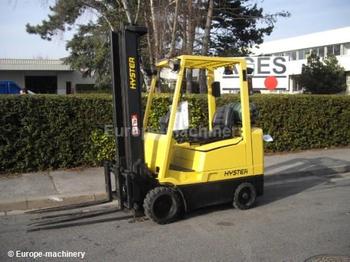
299, 122
39, 132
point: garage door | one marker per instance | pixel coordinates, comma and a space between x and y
41, 84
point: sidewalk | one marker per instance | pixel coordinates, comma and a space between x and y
54, 188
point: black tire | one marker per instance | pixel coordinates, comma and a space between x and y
162, 205
244, 197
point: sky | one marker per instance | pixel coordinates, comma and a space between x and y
307, 16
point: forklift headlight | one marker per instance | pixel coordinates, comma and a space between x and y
174, 64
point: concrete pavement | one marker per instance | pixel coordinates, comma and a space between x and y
62, 187
51, 188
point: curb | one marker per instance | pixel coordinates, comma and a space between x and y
18, 206
318, 172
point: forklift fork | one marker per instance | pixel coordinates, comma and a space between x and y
83, 211
110, 195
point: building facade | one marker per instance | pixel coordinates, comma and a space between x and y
335, 42
42, 75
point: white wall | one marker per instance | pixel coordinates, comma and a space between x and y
336, 36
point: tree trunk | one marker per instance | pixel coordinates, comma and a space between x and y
173, 32
137, 11
127, 10
147, 80
150, 46
189, 45
205, 46
206, 36
155, 31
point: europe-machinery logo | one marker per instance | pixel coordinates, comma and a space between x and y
132, 72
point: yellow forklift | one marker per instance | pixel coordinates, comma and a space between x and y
169, 171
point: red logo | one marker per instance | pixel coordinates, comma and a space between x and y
271, 82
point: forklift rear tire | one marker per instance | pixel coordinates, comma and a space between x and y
244, 197
162, 205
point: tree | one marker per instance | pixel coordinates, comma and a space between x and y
322, 77
219, 27
233, 27
238, 25
205, 44
89, 52
89, 47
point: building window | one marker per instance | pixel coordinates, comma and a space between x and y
333, 50
301, 54
336, 49
320, 51
346, 49
329, 49
313, 50
293, 55
308, 52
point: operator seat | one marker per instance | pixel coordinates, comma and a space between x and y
223, 127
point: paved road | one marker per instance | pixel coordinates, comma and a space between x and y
295, 220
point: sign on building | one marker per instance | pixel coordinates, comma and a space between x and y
269, 74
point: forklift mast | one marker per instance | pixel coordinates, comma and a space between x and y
127, 112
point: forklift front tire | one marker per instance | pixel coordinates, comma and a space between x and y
244, 196
162, 205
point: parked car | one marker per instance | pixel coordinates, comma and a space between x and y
8, 87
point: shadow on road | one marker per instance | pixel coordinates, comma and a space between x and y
320, 165
273, 192
287, 183
312, 172
283, 189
